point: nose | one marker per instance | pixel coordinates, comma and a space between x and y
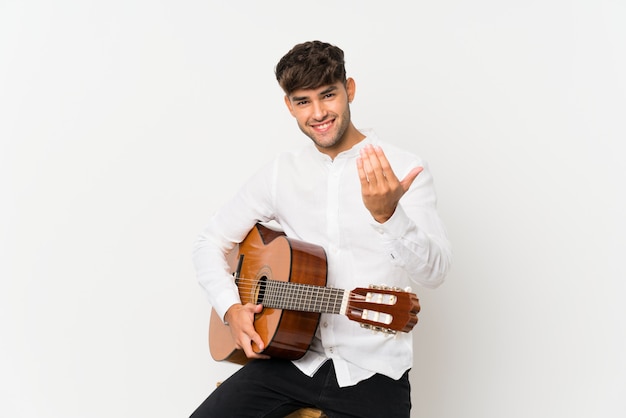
319, 110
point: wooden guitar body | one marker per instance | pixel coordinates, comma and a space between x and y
265, 255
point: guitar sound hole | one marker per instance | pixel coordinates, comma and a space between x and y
261, 285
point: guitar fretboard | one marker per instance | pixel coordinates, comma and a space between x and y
302, 297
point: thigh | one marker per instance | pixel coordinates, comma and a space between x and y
261, 388
378, 396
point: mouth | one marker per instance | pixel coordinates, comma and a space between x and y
322, 127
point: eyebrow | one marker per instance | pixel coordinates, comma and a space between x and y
323, 92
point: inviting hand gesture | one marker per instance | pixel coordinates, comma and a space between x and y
380, 188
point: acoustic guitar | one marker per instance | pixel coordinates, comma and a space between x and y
288, 277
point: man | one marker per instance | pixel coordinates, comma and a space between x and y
377, 225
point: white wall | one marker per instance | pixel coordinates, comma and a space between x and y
123, 124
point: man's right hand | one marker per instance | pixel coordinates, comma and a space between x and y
240, 319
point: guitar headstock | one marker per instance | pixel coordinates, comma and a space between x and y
383, 308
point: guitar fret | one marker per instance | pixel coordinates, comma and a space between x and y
302, 297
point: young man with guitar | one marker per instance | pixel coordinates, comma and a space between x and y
296, 306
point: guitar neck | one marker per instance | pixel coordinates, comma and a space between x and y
302, 297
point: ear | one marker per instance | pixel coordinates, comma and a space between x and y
350, 88
289, 105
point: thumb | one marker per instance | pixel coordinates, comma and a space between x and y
408, 180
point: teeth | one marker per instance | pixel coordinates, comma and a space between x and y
324, 126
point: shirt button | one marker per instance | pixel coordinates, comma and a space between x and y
325, 324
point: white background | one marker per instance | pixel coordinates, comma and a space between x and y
124, 124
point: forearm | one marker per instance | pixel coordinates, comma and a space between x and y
418, 245
213, 272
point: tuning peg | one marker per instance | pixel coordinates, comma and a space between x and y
375, 328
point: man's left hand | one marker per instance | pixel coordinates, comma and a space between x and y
380, 188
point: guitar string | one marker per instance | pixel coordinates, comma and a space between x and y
249, 285
293, 293
301, 296
295, 289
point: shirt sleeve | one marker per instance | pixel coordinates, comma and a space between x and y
415, 236
227, 227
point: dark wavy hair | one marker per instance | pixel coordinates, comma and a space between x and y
310, 65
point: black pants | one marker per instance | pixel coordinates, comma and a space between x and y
274, 388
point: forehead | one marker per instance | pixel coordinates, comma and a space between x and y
318, 91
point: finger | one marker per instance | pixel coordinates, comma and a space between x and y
374, 163
361, 170
383, 163
371, 166
256, 346
250, 350
409, 178
251, 343
254, 336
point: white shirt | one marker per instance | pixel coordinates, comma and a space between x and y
318, 200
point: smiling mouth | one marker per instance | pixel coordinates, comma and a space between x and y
321, 127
